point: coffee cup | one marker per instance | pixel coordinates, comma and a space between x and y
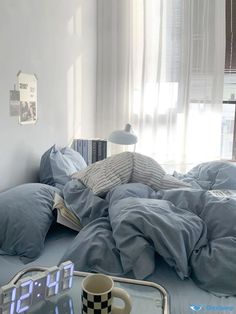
98, 293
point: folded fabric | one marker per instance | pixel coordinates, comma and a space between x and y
123, 168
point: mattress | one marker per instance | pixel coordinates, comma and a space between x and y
57, 240
182, 294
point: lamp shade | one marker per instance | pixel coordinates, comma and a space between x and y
123, 137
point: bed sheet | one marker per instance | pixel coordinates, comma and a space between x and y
57, 240
184, 294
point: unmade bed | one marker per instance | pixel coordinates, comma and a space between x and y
178, 231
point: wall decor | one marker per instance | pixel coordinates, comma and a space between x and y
14, 103
27, 85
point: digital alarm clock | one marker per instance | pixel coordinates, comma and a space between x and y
18, 297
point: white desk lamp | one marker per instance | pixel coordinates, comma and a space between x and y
123, 137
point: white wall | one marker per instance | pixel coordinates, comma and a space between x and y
56, 40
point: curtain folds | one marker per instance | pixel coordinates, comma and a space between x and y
161, 68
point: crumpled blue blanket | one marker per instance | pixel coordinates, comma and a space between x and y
192, 229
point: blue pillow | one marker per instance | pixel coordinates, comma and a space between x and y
58, 164
214, 175
25, 218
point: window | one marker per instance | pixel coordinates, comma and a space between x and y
230, 53
228, 147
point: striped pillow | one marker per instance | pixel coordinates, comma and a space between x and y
123, 168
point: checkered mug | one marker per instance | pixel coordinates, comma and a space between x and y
97, 293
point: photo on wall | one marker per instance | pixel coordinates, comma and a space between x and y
14, 103
27, 84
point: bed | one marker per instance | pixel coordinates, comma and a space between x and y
115, 242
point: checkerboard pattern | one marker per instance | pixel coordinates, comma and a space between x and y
96, 304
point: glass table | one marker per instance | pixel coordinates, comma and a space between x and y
147, 297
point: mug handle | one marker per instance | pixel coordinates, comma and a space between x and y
123, 295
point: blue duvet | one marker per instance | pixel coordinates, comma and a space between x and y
192, 229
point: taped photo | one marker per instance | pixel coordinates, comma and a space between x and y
27, 84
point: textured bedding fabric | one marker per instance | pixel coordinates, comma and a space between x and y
123, 168
26, 216
58, 164
193, 231
57, 240
185, 295
211, 176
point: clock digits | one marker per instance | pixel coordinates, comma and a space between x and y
52, 282
24, 290
67, 269
18, 298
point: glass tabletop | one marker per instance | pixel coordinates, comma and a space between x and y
147, 297
57, 290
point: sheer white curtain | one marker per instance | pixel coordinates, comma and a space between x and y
161, 68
